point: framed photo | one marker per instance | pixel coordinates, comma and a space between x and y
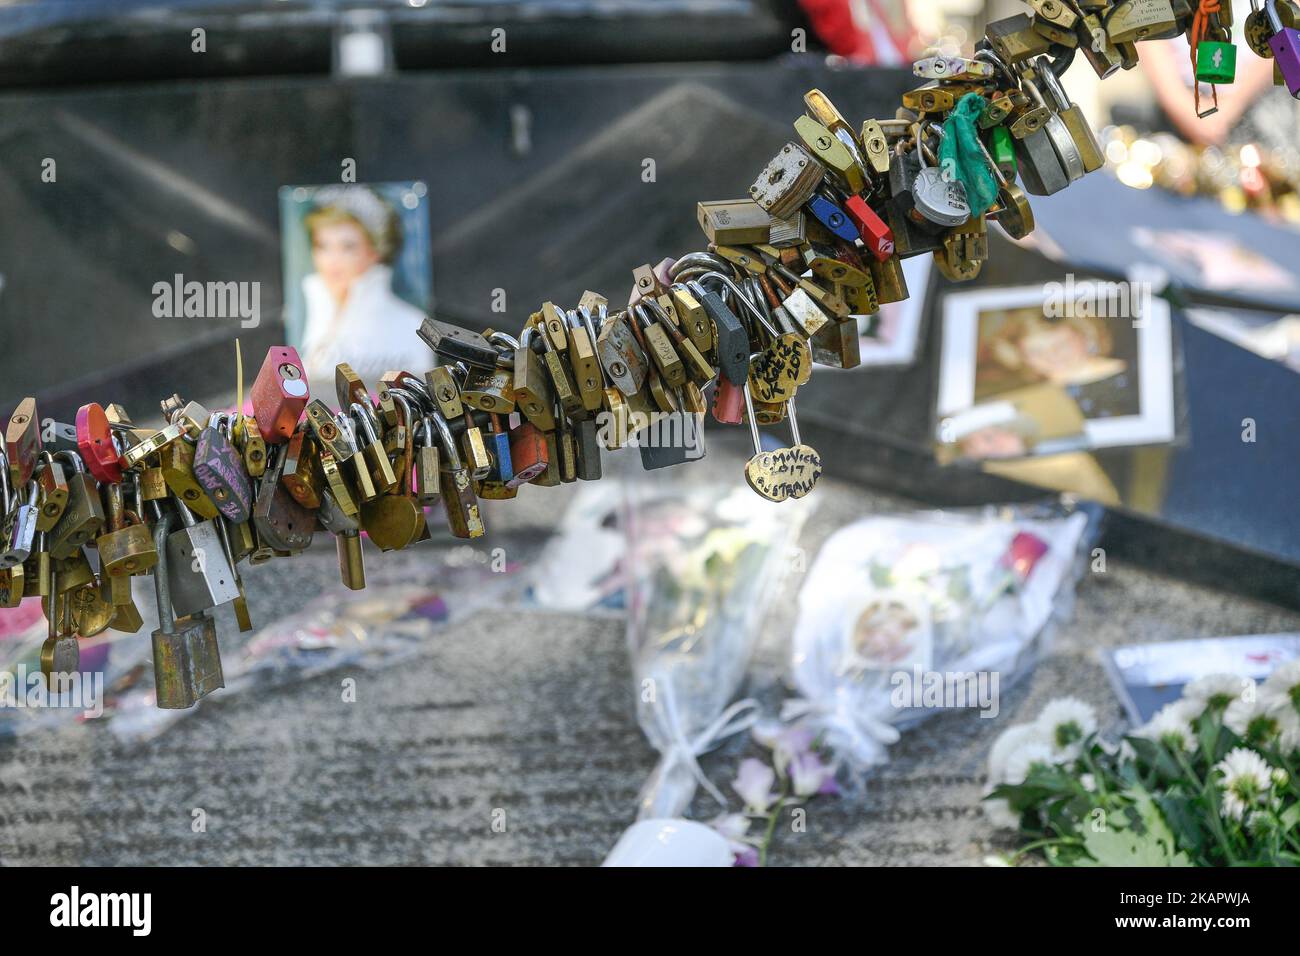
1054, 368
358, 276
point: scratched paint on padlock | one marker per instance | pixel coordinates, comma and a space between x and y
777, 374
784, 473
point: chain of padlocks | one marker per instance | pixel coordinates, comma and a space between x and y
819, 240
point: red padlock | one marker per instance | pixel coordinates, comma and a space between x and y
876, 234
729, 401
528, 454
279, 394
95, 442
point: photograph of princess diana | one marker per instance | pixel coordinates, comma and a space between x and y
1019, 378
357, 276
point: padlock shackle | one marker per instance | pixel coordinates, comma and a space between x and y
447, 440
162, 587
183, 511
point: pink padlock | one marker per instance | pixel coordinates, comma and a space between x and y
729, 401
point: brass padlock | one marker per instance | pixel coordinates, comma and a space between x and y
84, 515
125, 547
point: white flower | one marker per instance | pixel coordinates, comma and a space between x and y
1008, 742
1284, 683
1255, 718
1065, 722
1289, 725
1172, 726
1000, 814
1246, 781
1215, 691
1030, 755
1088, 782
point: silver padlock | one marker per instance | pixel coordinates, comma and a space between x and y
199, 573
186, 656
938, 198
19, 530
1048, 159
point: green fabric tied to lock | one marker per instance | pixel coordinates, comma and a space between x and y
960, 153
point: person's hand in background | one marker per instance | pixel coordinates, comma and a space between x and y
1167, 65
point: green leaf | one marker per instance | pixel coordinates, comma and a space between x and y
1111, 847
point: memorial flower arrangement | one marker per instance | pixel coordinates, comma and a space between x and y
1210, 780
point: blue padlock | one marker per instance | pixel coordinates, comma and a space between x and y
833, 218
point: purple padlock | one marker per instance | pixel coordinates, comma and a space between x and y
1285, 44
219, 470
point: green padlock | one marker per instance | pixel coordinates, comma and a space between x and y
1004, 153
1216, 61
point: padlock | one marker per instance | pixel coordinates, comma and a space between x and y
219, 471
498, 440
728, 402
1285, 44
374, 456
252, 447
1042, 168
1091, 157
427, 464
837, 345
84, 515
95, 442
22, 442
698, 368
532, 390
91, 611
301, 472
456, 344
834, 218
282, 524
734, 222
563, 388
621, 356
876, 234
659, 346
393, 521
1133, 20
38, 567
582, 359
586, 439
827, 148
1216, 57
13, 586
529, 454
279, 394
672, 438
1014, 39
936, 196
18, 529
787, 181
732, 350
125, 547
186, 656
54, 492
177, 461
347, 541
492, 390
60, 654
200, 574
1002, 151
786, 472
458, 498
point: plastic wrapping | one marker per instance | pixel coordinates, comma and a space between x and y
903, 615
705, 562
694, 561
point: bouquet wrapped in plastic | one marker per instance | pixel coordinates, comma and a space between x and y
704, 563
908, 614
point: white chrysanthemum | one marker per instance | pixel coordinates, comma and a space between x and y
1289, 736
1284, 683
1172, 726
1008, 742
1088, 782
1256, 719
1246, 782
1216, 691
1030, 755
1000, 814
1065, 722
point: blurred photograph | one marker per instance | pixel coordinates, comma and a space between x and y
357, 276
